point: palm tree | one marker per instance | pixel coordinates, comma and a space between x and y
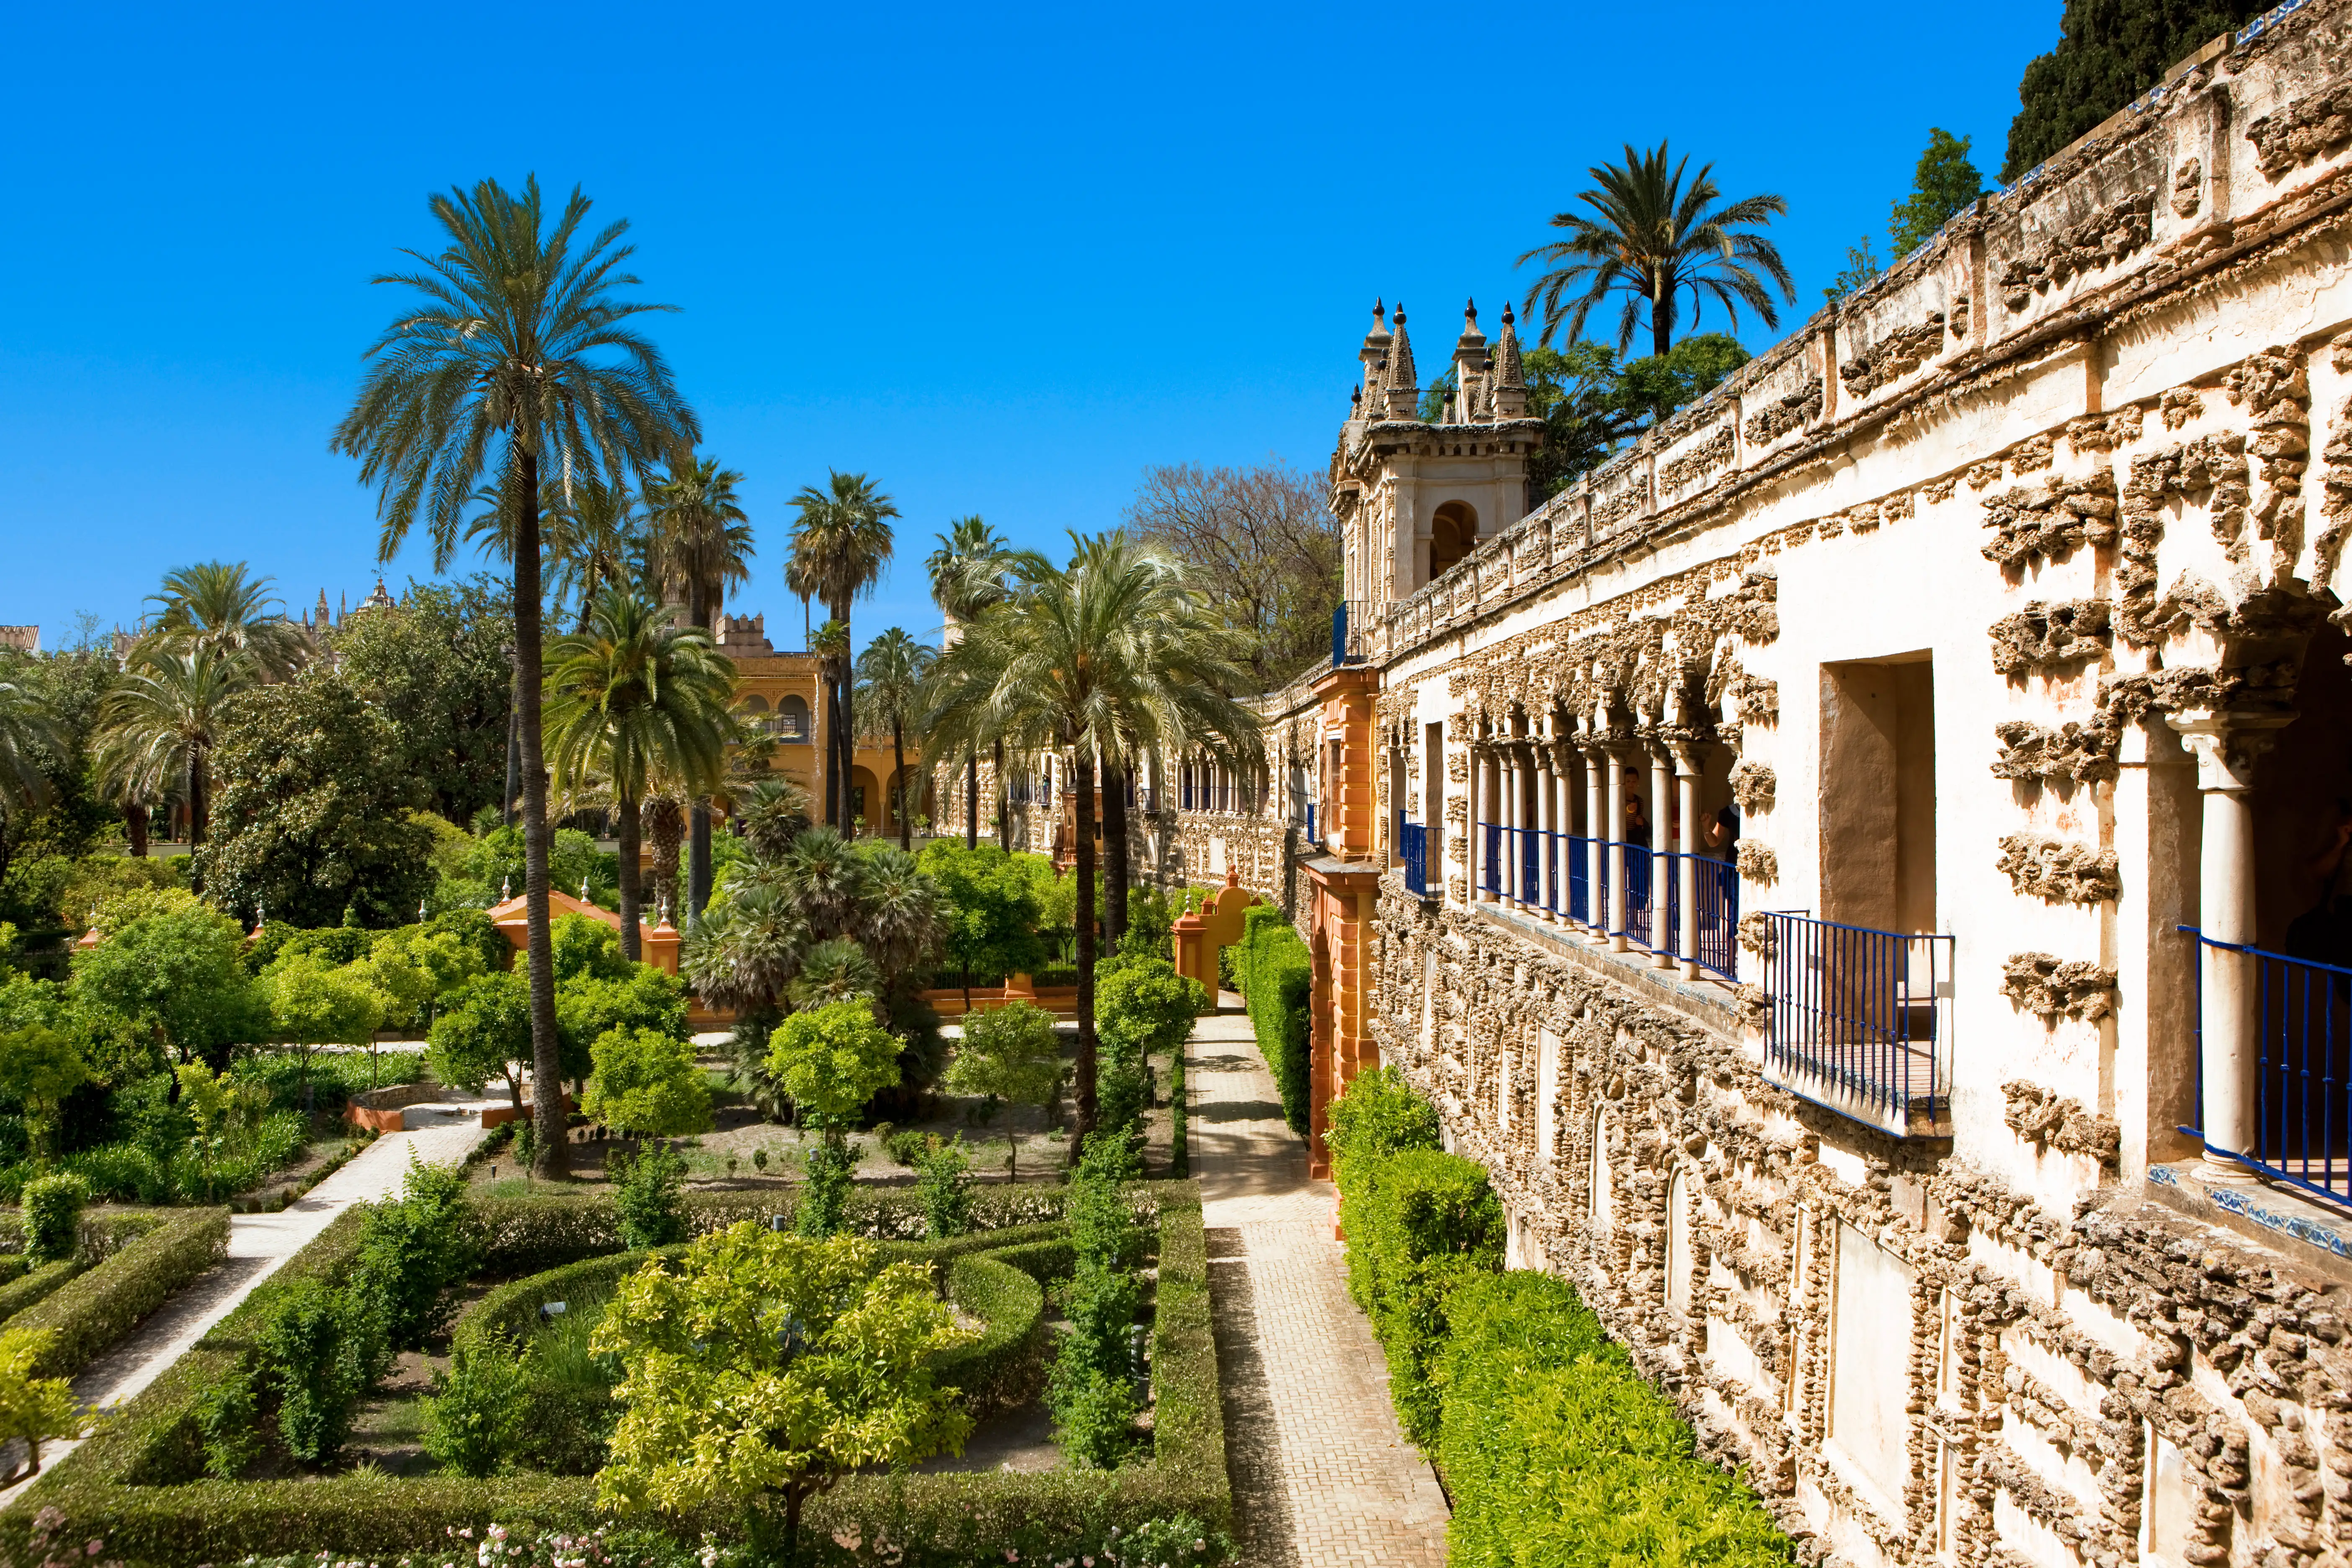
215, 604
157, 727
841, 542
967, 575
594, 539
1654, 237
520, 355
26, 729
891, 675
634, 693
701, 546
1090, 660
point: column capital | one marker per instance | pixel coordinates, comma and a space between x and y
1686, 763
2228, 742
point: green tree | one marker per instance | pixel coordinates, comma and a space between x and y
1654, 237
1013, 1054
1945, 183
1145, 1008
219, 606
992, 913
520, 356
634, 694
33, 1410
2108, 53
1592, 404
966, 572
437, 666
26, 732
647, 1085
588, 1007
596, 538
39, 1068
832, 1059
840, 545
1861, 266
484, 1033
171, 979
767, 1366
891, 675
702, 544
412, 968
313, 1004
314, 809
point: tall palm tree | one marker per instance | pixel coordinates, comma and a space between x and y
521, 351
841, 542
891, 675
215, 604
157, 727
594, 537
26, 729
1654, 238
967, 573
1088, 660
633, 693
830, 643
701, 546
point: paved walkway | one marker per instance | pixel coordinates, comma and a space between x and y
1322, 1478
443, 1133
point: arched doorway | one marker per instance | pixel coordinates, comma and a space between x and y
865, 801
1453, 534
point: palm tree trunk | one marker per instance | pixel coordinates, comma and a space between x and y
831, 743
848, 718
666, 826
1115, 867
1082, 782
971, 797
134, 827
1004, 803
897, 767
546, 1063
1662, 322
631, 899
200, 804
697, 848
514, 750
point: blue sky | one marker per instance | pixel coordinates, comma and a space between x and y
1000, 260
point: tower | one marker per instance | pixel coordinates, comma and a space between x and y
1412, 496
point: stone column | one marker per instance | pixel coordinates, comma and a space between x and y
1596, 831
2226, 746
1514, 812
1662, 782
1686, 843
1613, 833
1546, 831
1482, 808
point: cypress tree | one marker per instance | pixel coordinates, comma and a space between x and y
2108, 53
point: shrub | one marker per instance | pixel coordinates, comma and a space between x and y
97, 1307
646, 1083
33, 1409
824, 1190
1419, 1225
474, 1416
944, 1177
319, 1350
53, 1217
412, 1250
1377, 1115
1092, 1391
907, 1147
646, 1191
1277, 977
1556, 1452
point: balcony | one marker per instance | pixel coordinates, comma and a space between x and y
2301, 1049
1858, 1022
1568, 877
1413, 849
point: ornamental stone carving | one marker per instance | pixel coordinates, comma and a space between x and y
2041, 1116
1752, 785
2099, 240
2074, 752
2059, 871
1777, 418
2051, 988
1893, 357
2044, 637
2311, 126
2050, 518
1757, 863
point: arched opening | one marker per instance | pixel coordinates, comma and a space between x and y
865, 801
1603, 1203
1453, 534
1679, 1254
793, 719
755, 703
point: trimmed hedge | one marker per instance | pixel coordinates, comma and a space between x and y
39, 1285
1005, 1366
139, 1480
1277, 980
99, 1305
1419, 1224
1558, 1454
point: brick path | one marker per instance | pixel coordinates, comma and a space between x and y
1321, 1477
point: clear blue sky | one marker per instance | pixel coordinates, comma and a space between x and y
999, 259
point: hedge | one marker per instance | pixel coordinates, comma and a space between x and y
1006, 1365
139, 1482
1277, 980
1557, 1454
1419, 1224
103, 1234
97, 1307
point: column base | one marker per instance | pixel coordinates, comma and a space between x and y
2211, 1169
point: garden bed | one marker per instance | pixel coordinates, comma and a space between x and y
139, 1482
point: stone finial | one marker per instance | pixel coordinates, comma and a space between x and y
1403, 383
1381, 319
1510, 382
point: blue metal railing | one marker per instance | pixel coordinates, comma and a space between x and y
1716, 885
1347, 632
1855, 1017
1310, 826
1556, 868
1412, 848
1491, 862
2302, 1069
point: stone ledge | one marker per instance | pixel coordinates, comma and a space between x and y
1707, 1002
2307, 1229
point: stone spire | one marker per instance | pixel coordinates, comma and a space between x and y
319, 622
1510, 377
1403, 381
1470, 361
1375, 357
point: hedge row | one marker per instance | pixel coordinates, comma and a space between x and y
1006, 1365
1277, 980
97, 1307
1556, 1454
139, 1483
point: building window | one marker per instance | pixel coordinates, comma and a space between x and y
792, 718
